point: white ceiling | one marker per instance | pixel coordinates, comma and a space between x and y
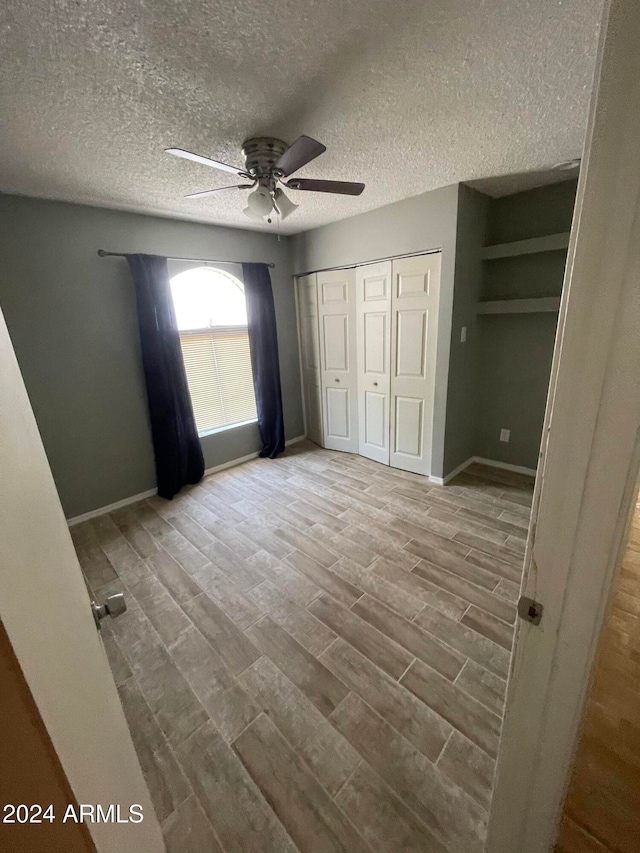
408, 95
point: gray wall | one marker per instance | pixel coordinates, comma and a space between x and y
534, 213
71, 316
420, 223
514, 366
515, 350
460, 433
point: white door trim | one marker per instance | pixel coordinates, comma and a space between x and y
296, 299
308, 341
589, 461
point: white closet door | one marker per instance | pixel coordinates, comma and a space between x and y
310, 356
373, 305
337, 315
414, 327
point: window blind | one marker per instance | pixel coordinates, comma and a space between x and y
218, 367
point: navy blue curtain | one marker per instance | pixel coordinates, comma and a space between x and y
176, 445
263, 343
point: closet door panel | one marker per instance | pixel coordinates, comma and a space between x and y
336, 342
337, 413
414, 309
376, 422
310, 356
373, 300
375, 346
337, 316
411, 327
409, 420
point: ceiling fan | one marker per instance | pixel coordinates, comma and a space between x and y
268, 162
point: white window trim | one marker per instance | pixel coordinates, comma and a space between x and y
226, 427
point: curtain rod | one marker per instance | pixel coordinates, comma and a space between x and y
104, 254
373, 261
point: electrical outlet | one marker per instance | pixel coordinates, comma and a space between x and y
463, 334
505, 434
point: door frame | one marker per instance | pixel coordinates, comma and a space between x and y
296, 293
590, 458
299, 334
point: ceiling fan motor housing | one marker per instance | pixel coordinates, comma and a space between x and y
261, 154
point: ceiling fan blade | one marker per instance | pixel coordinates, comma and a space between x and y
205, 161
219, 190
303, 151
341, 187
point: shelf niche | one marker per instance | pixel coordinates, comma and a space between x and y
550, 243
546, 304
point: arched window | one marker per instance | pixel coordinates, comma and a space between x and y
212, 318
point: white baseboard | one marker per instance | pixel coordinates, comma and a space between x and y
103, 510
442, 481
233, 462
518, 469
295, 440
230, 464
506, 466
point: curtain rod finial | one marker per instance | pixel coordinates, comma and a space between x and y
102, 253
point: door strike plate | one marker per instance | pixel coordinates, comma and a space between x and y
530, 610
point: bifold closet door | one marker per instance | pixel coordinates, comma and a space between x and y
414, 327
373, 308
337, 321
310, 356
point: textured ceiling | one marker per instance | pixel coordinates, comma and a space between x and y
407, 95
507, 184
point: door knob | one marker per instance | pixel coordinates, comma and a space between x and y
337, 380
375, 384
114, 605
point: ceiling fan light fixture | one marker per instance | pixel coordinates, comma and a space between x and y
567, 165
260, 201
252, 214
283, 204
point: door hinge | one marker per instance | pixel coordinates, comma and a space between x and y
530, 610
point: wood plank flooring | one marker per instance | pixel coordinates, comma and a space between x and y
602, 807
314, 653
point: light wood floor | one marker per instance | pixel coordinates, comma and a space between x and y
315, 651
602, 809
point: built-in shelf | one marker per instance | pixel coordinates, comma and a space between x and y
526, 247
520, 306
